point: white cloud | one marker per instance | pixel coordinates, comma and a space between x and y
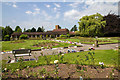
57, 15
57, 5
97, 7
14, 5
28, 12
72, 14
35, 12
46, 16
75, 4
47, 6
37, 9
55, 9
89, 2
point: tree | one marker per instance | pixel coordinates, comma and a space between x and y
2, 33
39, 29
43, 30
23, 36
74, 28
18, 29
112, 27
33, 30
24, 30
8, 30
92, 25
29, 30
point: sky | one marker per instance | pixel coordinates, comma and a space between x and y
48, 14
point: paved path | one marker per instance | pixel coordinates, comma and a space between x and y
56, 50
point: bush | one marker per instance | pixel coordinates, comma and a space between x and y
63, 36
52, 36
6, 37
23, 36
68, 35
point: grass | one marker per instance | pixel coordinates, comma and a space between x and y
108, 57
28, 44
90, 40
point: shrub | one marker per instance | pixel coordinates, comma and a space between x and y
7, 38
63, 36
68, 35
52, 36
23, 36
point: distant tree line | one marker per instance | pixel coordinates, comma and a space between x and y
7, 31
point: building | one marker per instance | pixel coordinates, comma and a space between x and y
56, 33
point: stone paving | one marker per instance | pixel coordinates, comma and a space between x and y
84, 47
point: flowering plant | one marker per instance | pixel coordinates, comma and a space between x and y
101, 63
56, 61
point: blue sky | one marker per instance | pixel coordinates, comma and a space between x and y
49, 14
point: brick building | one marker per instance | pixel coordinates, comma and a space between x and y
56, 33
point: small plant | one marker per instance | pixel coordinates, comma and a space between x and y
101, 64
56, 67
62, 58
91, 57
35, 57
77, 65
47, 59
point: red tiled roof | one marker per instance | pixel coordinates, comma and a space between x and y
60, 30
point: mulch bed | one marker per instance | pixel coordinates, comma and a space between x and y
65, 71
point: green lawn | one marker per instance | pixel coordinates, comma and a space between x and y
28, 44
89, 40
108, 57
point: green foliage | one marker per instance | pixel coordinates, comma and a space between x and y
6, 31
52, 36
46, 36
33, 30
29, 30
6, 37
64, 36
100, 56
74, 28
41, 36
112, 27
39, 29
27, 44
68, 35
18, 29
92, 25
43, 30
23, 36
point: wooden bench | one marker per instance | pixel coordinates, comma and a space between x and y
21, 52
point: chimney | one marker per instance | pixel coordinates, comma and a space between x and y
57, 27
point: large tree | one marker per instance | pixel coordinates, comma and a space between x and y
112, 27
33, 30
43, 30
92, 25
18, 29
74, 28
39, 29
8, 30
29, 30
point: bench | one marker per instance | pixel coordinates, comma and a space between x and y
65, 47
21, 52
